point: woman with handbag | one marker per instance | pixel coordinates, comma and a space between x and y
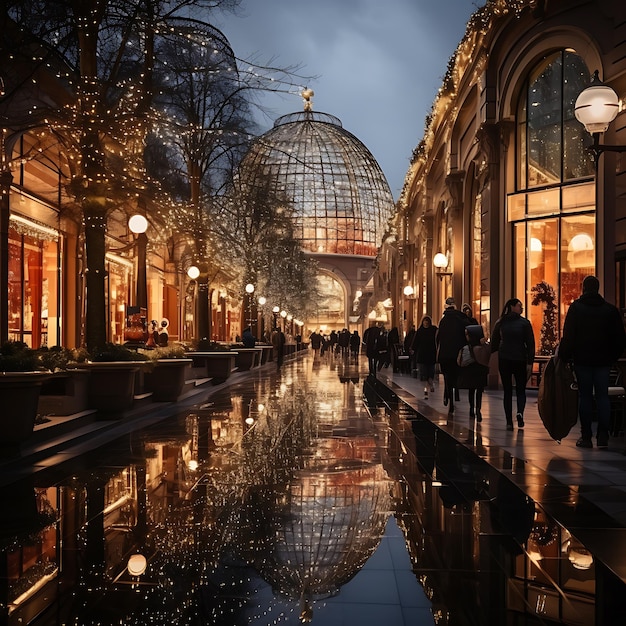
473, 362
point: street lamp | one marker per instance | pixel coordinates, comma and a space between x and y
193, 272
596, 107
440, 261
275, 311
138, 225
249, 292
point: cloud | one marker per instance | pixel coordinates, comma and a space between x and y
378, 64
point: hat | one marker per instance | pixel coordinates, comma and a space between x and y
449, 301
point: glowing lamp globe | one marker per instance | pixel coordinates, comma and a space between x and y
137, 564
138, 224
597, 106
193, 272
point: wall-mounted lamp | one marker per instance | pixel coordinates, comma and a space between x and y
408, 291
440, 261
596, 107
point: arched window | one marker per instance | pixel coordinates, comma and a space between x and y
552, 210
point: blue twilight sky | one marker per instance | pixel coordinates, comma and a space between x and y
378, 63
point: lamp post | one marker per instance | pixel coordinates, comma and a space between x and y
260, 330
138, 225
249, 292
596, 107
276, 311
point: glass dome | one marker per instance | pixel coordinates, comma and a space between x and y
340, 195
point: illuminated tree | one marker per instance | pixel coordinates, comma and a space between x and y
110, 56
544, 293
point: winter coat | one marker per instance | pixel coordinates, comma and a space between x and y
370, 338
425, 345
451, 334
593, 332
512, 338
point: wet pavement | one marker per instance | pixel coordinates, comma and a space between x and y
315, 494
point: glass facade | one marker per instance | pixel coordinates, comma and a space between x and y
340, 195
552, 212
34, 310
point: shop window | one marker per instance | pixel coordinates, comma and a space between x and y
552, 213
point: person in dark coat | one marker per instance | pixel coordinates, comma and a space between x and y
248, 339
450, 339
393, 343
278, 342
370, 338
355, 344
467, 310
473, 377
425, 350
593, 339
513, 339
408, 345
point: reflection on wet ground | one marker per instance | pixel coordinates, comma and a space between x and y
305, 495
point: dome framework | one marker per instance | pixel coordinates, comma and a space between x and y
340, 196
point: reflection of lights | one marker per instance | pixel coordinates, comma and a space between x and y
580, 242
137, 564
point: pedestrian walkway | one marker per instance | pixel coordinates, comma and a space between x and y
582, 489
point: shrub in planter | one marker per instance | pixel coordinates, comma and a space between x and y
112, 380
21, 377
165, 377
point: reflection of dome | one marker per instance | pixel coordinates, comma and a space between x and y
340, 195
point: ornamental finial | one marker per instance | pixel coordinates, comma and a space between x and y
307, 94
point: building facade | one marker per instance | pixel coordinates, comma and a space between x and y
503, 184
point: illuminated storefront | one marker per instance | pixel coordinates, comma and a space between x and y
504, 185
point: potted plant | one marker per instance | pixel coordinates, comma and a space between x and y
65, 392
21, 378
165, 376
112, 368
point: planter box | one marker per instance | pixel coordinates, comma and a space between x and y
19, 399
219, 365
64, 393
166, 379
111, 385
247, 358
267, 354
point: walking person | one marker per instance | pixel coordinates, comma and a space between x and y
513, 339
355, 344
593, 340
424, 348
473, 361
450, 339
370, 339
278, 343
467, 310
